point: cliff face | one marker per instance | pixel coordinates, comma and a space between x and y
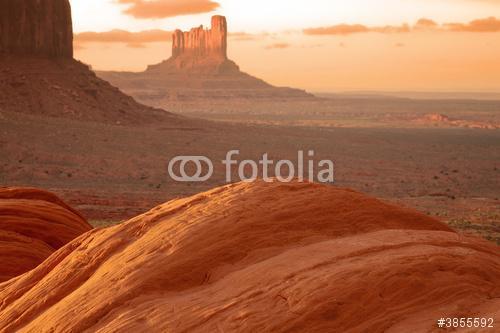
201, 42
39, 76
199, 50
36, 28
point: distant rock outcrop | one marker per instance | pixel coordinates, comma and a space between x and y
36, 28
260, 257
199, 51
199, 69
202, 43
33, 224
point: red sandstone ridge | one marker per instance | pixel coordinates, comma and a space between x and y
33, 224
258, 257
36, 27
39, 76
198, 69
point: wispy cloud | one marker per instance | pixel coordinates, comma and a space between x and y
490, 24
157, 9
132, 39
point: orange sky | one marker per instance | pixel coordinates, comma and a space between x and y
318, 45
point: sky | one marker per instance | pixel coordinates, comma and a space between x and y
318, 45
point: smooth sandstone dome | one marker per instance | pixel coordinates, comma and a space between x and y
258, 257
33, 225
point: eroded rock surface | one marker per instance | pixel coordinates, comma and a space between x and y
260, 258
33, 224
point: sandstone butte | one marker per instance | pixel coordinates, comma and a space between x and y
199, 68
33, 224
39, 76
259, 257
201, 51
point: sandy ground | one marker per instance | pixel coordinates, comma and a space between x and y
341, 111
112, 172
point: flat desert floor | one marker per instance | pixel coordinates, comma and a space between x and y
113, 172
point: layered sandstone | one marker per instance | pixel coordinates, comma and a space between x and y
259, 257
36, 28
33, 224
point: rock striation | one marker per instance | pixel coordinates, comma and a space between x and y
33, 224
260, 257
36, 28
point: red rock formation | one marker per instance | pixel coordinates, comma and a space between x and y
36, 28
202, 43
199, 51
33, 224
39, 76
260, 258
198, 69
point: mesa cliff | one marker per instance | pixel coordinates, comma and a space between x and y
41, 28
39, 76
199, 51
200, 42
199, 69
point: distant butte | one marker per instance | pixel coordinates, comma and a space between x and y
199, 51
199, 69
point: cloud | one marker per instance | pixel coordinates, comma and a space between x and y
490, 24
242, 36
277, 46
424, 23
157, 9
347, 29
390, 29
133, 39
245, 36
340, 29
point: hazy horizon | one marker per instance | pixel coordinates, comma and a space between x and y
320, 46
